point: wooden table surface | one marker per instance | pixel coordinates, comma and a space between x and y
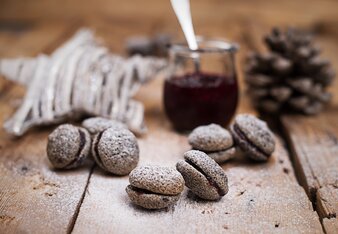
295, 192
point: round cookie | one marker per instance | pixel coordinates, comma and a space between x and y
158, 179
68, 146
150, 200
223, 155
155, 187
116, 150
253, 137
203, 176
210, 137
98, 124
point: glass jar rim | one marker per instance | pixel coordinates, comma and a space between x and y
211, 45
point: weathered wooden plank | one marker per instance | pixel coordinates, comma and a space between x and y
314, 142
330, 225
327, 207
34, 198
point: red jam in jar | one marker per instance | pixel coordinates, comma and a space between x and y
200, 98
201, 85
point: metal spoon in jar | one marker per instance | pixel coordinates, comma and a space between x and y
182, 11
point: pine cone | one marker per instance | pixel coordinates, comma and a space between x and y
291, 76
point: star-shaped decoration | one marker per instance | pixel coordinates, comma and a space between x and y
80, 78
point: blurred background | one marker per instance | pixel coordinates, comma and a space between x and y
226, 18
242, 21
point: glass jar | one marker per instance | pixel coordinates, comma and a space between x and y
201, 86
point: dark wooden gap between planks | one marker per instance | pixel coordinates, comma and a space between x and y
276, 124
312, 191
314, 154
76, 214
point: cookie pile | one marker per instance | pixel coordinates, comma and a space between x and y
157, 187
114, 147
214, 140
249, 134
68, 146
115, 150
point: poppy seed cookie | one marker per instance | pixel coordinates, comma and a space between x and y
98, 124
68, 146
223, 155
203, 176
155, 187
158, 179
253, 137
116, 150
210, 137
214, 140
149, 200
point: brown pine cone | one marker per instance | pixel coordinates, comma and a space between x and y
291, 77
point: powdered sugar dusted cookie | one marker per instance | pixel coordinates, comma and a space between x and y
68, 146
116, 150
253, 137
210, 137
98, 124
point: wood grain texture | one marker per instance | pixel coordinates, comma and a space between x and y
327, 207
314, 142
33, 197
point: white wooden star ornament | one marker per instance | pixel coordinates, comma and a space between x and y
80, 78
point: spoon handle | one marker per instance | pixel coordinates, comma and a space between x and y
182, 10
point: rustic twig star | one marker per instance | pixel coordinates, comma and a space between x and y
81, 77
